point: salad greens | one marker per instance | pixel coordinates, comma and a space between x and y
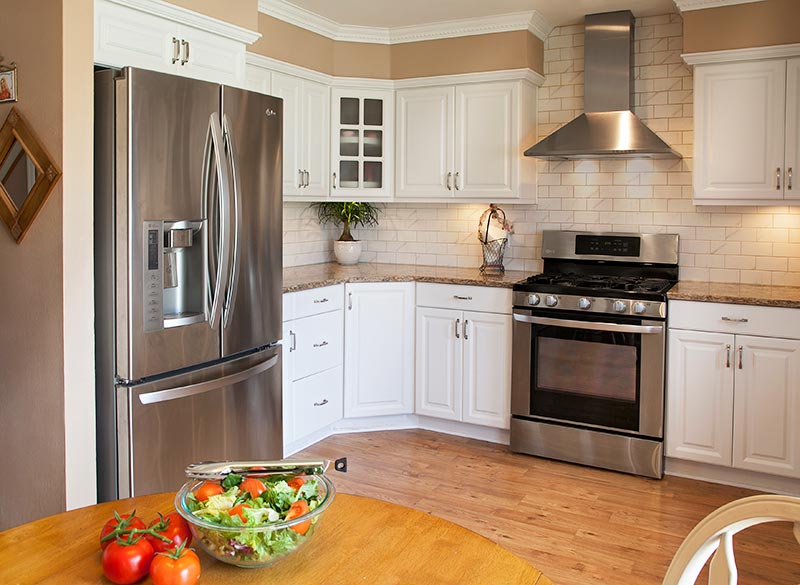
236, 508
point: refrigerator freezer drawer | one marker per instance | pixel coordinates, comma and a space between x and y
228, 411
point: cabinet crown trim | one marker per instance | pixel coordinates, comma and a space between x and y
684, 5
749, 54
190, 18
531, 20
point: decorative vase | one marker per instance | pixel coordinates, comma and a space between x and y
347, 253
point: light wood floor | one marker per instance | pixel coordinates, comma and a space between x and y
578, 525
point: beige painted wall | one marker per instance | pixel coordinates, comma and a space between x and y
471, 54
240, 12
757, 24
31, 310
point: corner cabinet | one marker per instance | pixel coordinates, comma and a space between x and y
362, 154
170, 39
466, 141
464, 354
379, 349
747, 132
733, 393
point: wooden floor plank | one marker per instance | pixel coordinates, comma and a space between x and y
580, 526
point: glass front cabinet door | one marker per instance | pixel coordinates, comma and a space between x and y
361, 144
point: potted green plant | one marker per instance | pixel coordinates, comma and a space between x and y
349, 214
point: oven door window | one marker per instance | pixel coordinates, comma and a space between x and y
586, 376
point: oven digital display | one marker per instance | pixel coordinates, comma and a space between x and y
607, 245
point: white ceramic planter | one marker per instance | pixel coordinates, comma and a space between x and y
347, 253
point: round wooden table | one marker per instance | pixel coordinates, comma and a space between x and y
359, 540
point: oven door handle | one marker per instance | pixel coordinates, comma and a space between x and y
592, 325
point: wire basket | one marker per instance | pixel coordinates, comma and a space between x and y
493, 251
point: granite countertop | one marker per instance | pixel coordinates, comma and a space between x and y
738, 294
298, 278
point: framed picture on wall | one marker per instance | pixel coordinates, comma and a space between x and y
8, 84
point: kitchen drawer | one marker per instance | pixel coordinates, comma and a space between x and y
316, 401
313, 301
316, 343
737, 319
464, 298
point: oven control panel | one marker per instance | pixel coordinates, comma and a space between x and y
587, 304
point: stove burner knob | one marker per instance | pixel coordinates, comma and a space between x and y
620, 306
639, 308
584, 303
533, 300
551, 300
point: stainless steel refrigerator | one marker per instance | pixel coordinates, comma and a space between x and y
188, 257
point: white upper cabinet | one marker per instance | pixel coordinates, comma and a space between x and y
362, 155
306, 124
169, 39
466, 141
746, 132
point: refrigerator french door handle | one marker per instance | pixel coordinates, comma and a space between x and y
208, 385
223, 246
233, 282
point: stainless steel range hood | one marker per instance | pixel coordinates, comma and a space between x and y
608, 128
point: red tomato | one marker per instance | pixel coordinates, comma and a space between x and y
206, 490
296, 483
173, 527
237, 511
253, 486
128, 520
166, 569
127, 563
299, 508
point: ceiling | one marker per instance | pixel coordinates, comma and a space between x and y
391, 13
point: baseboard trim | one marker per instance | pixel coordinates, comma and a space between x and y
736, 477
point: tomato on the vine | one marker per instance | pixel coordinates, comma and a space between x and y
127, 562
180, 567
173, 527
128, 521
206, 490
252, 486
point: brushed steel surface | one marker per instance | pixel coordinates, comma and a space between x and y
652, 309
591, 325
654, 248
237, 421
160, 158
634, 455
608, 128
252, 317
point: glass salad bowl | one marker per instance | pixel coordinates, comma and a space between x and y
256, 533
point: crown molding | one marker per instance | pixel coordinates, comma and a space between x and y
531, 21
191, 18
684, 5
749, 54
479, 77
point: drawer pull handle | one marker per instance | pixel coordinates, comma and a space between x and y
466, 323
728, 355
323, 344
322, 300
457, 322
323, 403
741, 351
176, 50
460, 298
293, 344
349, 301
735, 319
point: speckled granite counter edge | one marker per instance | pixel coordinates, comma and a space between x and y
311, 284
756, 295
734, 300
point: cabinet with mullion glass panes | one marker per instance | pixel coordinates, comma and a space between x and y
361, 144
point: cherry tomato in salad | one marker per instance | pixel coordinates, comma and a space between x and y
238, 511
180, 567
296, 483
128, 521
125, 562
206, 490
299, 508
173, 527
252, 486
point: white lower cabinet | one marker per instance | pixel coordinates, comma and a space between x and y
463, 357
379, 349
733, 399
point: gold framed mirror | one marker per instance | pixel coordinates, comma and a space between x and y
27, 175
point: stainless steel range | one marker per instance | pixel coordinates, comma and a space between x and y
588, 350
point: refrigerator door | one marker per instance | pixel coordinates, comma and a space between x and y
252, 127
171, 222
230, 411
